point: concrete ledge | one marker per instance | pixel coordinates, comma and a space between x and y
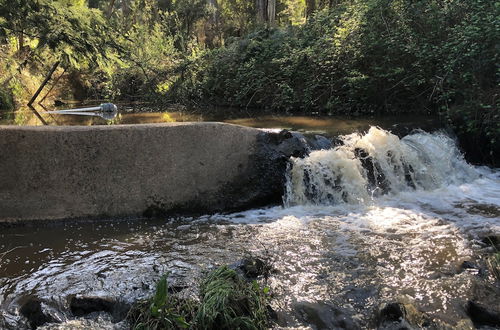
128, 170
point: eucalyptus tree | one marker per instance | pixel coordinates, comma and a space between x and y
65, 32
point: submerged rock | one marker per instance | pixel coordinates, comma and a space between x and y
401, 315
252, 268
483, 315
32, 310
81, 306
324, 316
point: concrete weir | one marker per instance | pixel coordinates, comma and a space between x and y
95, 172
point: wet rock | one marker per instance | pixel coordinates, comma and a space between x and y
264, 180
492, 240
482, 315
401, 315
82, 306
252, 268
324, 316
464, 324
392, 312
33, 311
374, 173
100, 323
468, 265
292, 144
318, 142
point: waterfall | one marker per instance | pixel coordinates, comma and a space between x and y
369, 165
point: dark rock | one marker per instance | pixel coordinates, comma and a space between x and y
173, 289
374, 173
482, 315
492, 240
324, 316
59, 103
468, 265
402, 315
392, 312
251, 268
294, 145
32, 310
81, 306
264, 182
318, 142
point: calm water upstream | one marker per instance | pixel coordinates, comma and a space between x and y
143, 114
357, 229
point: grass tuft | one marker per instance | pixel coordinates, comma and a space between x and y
162, 311
230, 302
227, 301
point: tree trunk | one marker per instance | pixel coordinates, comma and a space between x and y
261, 8
310, 7
266, 11
110, 8
21, 40
271, 11
52, 87
47, 78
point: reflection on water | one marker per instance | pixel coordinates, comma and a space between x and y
332, 126
142, 114
24, 116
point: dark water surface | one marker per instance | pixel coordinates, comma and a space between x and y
144, 114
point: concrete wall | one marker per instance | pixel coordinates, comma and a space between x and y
128, 170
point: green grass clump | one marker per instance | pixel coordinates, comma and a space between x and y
162, 311
494, 264
230, 302
227, 301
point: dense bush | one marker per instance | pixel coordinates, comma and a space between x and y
366, 56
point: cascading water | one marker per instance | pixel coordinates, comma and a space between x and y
376, 220
372, 164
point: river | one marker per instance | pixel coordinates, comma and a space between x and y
376, 220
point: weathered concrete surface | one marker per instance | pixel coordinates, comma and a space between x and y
135, 170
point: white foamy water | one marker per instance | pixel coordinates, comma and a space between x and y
405, 232
375, 163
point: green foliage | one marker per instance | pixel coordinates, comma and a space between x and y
364, 57
162, 311
226, 302
69, 29
229, 302
6, 101
494, 264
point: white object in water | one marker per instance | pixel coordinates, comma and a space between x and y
107, 111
